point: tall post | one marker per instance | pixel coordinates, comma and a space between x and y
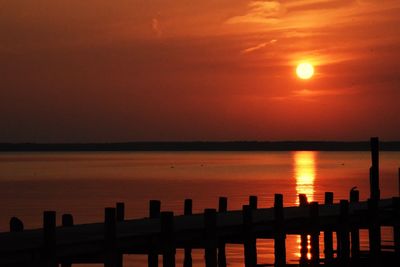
210, 227
67, 221
303, 237
49, 237
222, 208
279, 232
355, 233
250, 249
314, 224
328, 235
110, 233
374, 171
154, 213
167, 236
188, 208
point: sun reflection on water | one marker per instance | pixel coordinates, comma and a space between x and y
304, 169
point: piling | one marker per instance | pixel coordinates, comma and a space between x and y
303, 237
223, 204
250, 249
210, 236
67, 221
355, 233
222, 207
328, 235
314, 227
120, 211
279, 232
154, 208
154, 213
110, 233
167, 237
253, 202
188, 209
49, 239
120, 217
374, 170
396, 226
343, 233
374, 231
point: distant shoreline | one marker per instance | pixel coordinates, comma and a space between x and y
201, 146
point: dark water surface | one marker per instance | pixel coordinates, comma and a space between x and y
84, 183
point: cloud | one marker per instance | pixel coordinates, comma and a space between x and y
313, 95
257, 47
260, 12
156, 27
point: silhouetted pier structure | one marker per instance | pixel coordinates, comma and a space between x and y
161, 233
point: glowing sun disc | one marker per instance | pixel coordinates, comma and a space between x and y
305, 70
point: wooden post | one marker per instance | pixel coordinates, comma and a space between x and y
154, 208
303, 238
253, 202
16, 225
210, 236
374, 231
120, 211
343, 236
374, 171
49, 238
250, 249
120, 217
188, 208
167, 236
154, 212
223, 204
110, 234
222, 207
67, 221
396, 226
355, 233
328, 235
279, 232
314, 224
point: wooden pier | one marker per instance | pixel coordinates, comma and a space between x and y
161, 233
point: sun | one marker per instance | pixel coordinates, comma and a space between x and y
305, 70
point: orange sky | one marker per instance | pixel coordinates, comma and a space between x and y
127, 70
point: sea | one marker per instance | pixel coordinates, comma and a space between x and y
84, 183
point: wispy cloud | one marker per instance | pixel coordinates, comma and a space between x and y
260, 12
314, 95
156, 27
259, 46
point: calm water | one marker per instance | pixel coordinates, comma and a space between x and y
84, 183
